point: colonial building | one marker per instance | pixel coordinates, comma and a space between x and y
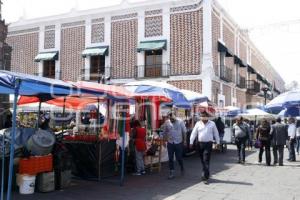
192, 44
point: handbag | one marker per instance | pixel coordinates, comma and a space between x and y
257, 144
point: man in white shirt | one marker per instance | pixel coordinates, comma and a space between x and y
206, 131
292, 139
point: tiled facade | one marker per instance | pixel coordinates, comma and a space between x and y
194, 85
49, 41
72, 45
153, 26
216, 35
123, 47
186, 43
25, 48
180, 23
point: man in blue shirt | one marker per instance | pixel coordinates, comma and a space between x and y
174, 132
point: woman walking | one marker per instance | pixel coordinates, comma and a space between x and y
264, 136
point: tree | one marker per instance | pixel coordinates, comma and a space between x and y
294, 85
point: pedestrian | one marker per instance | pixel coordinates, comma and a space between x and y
241, 134
175, 133
264, 136
298, 136
279, 137
139, 139
250, 138
206, 131
292, 139
221, 127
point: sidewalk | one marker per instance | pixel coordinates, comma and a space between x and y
230, 181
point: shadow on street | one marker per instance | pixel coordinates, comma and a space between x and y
154, 185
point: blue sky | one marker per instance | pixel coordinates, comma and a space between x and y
280, 43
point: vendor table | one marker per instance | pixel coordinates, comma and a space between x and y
93, 160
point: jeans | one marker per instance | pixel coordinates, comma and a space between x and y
292, 155
278, 149
205, 149
139, 157
241, 148
265, 145
298, 144
176, 149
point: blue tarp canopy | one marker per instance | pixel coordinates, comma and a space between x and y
160, 88
29, 85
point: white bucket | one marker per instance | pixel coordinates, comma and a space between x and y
26, 184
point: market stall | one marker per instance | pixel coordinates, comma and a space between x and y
23, 84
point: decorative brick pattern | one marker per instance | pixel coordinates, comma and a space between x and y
186, 42
228, 35
98, 32
78, 23
153, 26
227, 94
98, 20
216, 88
50, 27
127, 16
124, 38
153, 12
186, 8
24, 49
241, 98
216, 34
49, 40
72, 45
193, 85
23, 31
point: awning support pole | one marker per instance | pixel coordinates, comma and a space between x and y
39, 115
123, 149
63, 115
3, 166
12, 144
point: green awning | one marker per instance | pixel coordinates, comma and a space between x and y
152, 45
95, 51
46, 56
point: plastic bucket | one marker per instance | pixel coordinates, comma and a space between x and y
26, 184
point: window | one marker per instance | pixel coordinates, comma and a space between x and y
49, 69
97, 67
153, 63
222, 63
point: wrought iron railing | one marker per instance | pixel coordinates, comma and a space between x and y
95, 76
253, 86
226, 73
241, 82
153, 71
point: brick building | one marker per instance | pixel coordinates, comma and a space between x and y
192, 44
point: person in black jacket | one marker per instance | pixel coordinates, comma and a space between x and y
279, 137
264, 136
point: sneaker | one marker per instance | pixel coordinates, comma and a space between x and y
143, 172
171, 175
137, 174
258, 162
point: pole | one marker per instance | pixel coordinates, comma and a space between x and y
12, 144
39, 115
123, 149
63, 115
3, 167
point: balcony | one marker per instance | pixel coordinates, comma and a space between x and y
153, 71
226, 73
253, 87
92, 76
241, 82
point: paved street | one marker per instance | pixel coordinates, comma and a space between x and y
229, 181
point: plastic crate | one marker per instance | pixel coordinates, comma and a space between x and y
36, 164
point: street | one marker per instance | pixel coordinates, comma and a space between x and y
230, 181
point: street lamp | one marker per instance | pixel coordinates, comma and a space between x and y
265, 91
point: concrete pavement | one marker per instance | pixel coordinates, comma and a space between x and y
230, 181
